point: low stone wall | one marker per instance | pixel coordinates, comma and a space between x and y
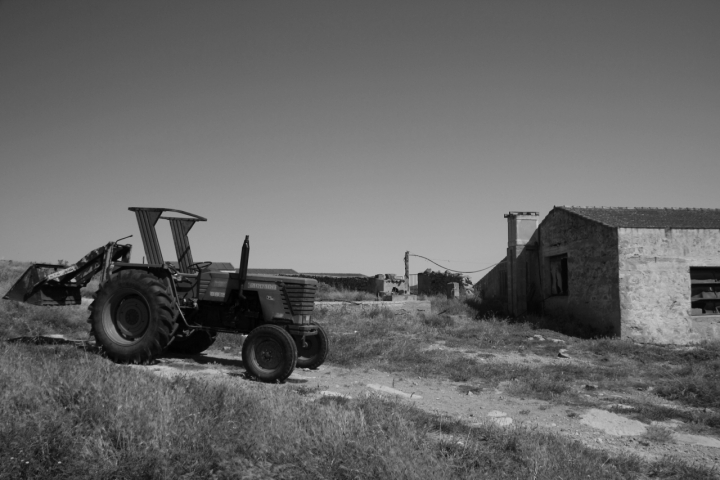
436, 283
409, 307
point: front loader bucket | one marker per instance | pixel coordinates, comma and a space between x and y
29, 288
55, 285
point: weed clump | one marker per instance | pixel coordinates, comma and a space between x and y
438, 321
657, 434
329, 293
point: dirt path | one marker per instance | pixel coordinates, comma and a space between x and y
594, 427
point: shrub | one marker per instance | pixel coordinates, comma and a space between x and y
329, 293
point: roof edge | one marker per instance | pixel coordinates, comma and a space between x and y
566, 209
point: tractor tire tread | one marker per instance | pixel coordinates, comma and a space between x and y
162, 309
281, 373
323, 350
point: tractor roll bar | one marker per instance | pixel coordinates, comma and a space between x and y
148, 217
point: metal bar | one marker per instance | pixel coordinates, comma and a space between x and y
161, 210
146, 223
180, 228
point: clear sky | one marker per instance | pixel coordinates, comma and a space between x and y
338, 135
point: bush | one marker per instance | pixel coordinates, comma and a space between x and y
453, 306
438, 321
329, 293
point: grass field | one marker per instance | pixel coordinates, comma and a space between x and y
327, 292
65, 413
689, 376
68, 413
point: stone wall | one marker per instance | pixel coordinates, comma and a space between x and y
436, 283
398, 308
591, 305
493, 286
654, 283
387, 284
524, 284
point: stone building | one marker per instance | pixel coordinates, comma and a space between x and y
647, 274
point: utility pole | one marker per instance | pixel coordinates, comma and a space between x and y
407, 272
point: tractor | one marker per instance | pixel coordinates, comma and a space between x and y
141, 310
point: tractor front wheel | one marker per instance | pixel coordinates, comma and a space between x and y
313, 355
269, 353
132, 317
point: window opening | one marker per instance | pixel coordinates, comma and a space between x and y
705, 291
559, 275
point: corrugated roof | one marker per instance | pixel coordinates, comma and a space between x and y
272, 271
643, 217
221, 266
337, 275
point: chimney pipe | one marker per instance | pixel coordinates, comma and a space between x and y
521, 227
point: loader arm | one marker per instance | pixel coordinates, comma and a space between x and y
55, 285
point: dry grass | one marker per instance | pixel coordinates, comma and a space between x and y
328, 293
68, 414
20, 319
690, 377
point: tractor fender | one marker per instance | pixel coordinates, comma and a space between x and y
158, 270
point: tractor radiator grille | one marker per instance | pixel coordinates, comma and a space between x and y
204, 284
301, 297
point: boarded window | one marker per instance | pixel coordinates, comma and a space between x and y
558, 275
705, 294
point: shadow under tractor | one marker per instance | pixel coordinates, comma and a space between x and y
144, 309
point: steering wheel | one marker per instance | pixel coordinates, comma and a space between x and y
199, 266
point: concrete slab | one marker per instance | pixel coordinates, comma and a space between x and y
612, 423
499, 418
399, 298
502, 421
330, 393
672, 424
383, 388
496, 414
700, 440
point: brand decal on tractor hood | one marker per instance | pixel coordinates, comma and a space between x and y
262, 286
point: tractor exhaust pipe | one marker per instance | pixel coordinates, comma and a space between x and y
244, 257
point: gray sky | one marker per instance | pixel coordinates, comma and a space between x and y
338, 135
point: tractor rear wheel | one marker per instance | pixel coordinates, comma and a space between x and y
316, 351
192, 342
132, 317
269, 353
